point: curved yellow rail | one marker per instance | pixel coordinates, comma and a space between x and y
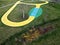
5, 20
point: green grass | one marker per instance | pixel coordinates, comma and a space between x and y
16, 15
52, 35
51, 38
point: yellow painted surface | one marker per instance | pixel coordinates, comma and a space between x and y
39, 5
5, 20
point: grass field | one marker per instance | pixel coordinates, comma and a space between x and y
49, 38
49, 13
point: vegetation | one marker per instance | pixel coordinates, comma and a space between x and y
51, 27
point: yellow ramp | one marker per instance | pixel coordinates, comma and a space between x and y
5, 20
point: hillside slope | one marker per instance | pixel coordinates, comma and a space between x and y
49, 13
